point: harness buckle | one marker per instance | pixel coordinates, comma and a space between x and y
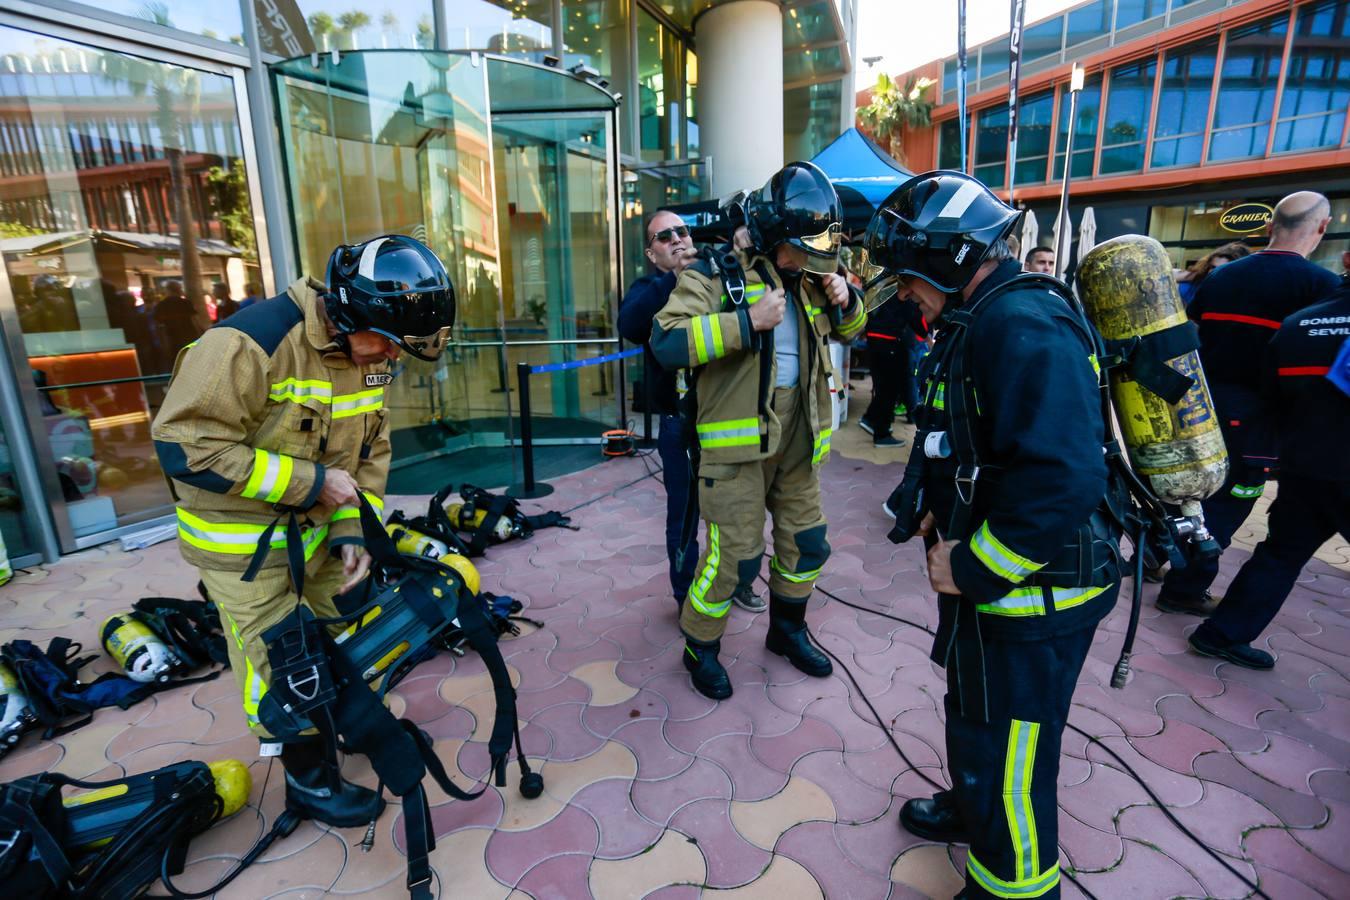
966, 476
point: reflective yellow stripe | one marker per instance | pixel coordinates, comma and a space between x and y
254, 689
234, 627
822, 446
938, 396
999, 559
270, 478
728, 433
239, 539
852, 327
297, 390
351, 512
707, 331
698, 593
1033, 887
753, 294
794, 577
1017, 770
346, 405
1030, 601
1248, 492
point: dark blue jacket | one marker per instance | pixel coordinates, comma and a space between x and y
1039, 418
639, 307
1311, 414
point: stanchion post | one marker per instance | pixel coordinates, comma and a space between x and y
529, 489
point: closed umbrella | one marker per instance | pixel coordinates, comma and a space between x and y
1062, 242
1031, 233
1087, 232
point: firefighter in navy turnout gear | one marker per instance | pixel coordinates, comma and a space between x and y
1009, 497
1312, 415
751, 329
273, 430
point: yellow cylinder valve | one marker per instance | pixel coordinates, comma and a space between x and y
1128, 291
415, 543
137, 649
472, 518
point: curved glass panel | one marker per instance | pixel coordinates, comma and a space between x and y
523, 88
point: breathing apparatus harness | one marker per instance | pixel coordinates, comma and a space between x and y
1127, 508
320, 683
501, 520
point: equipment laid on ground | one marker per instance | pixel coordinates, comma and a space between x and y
479, 518
618, 442
1167, 420
138, 650
17, 716
116, 838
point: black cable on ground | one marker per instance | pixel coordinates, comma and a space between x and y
621, 487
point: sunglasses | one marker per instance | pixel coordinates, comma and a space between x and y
666, 235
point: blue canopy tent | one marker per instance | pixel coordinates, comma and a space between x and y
862, 173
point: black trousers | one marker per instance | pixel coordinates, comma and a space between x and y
1306, 514
675, 472
1224, 514
888, 364
1004, 771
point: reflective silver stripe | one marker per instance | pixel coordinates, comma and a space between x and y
959, 202
246, 540
354, 404
705, 436
366, 268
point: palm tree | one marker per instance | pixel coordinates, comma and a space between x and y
177, 94
350, 23
388, 23
894, 108
320, 25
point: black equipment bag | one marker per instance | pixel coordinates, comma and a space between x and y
477, 536
191, 628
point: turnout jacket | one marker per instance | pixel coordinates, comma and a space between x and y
701, 330
1039, 432
257, 410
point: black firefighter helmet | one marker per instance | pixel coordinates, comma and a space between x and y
396, 287
798, 206
939, 226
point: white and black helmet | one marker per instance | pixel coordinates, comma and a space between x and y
396, 287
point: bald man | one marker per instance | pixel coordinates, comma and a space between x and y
1239, 307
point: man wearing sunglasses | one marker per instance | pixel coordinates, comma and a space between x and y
751, 329
669, 250
273, 427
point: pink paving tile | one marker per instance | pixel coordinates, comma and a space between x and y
683, 701
1300, 727
1096, 801
1173, 789
568, 690
873, 846
1088, 849
570, 739
749, 779
510, 854
1294, 808
782, 752
656, 758
658, 801
1330, 783
729, 717
1328, 843
1142, 865
1178, 746
1148, 824
675, 892
605, 720
1235, 737
732, 860
481, 812
567, 875
813, 845
1276, 848
623, 831
854, 802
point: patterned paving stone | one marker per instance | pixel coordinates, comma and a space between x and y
674, 860
510, 854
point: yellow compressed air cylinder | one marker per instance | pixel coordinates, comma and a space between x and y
1128, 290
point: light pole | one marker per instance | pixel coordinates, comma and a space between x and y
1063, 240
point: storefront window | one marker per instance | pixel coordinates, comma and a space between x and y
991, 145
220, 20
289, 28
595, 33
659, 55
1034, 118
1089, 22
1127, 115
1317, 83
506, 27
1183, 106
126, 229
690, 98
1084, 131
1251, 72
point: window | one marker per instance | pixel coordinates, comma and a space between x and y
1088, 22
994, 60
595, 33
1132, 12
1317, 82
654, 124
1183, 105
213, 20
949, 144
991, 145
1085, 128
381, 25
1034, 117
690, 92
1040, 41
495, 26
1251, 71
1129, 102
949, 79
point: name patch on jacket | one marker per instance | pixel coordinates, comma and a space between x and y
379, 380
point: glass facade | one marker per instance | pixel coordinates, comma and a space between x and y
1035, 122
220, 21
381, 25
991, 146
1183, 105
1247, 84
1088, 22
523, 29
949, 145
1132, 12
1317, 79
1129, 103
126, 228
1086, 114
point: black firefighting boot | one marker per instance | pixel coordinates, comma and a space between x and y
935, 818
710, 678
316, 790
787, 637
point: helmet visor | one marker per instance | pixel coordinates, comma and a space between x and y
822, 250
427, 348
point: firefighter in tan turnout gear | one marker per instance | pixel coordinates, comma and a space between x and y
752, 328
273, 429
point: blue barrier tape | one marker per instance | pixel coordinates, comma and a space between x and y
581, 363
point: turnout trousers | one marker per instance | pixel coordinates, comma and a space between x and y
733, 500
1305, 514
1004, 771
248, 608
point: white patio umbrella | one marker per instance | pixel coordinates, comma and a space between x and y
1062, 249
1087, 232
1031, 233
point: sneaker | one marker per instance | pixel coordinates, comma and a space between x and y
887, 440
1203, 607
746, 598
866, 425
1244, 655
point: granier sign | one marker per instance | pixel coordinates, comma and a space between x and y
1246, 218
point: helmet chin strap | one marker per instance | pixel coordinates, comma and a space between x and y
340, 337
